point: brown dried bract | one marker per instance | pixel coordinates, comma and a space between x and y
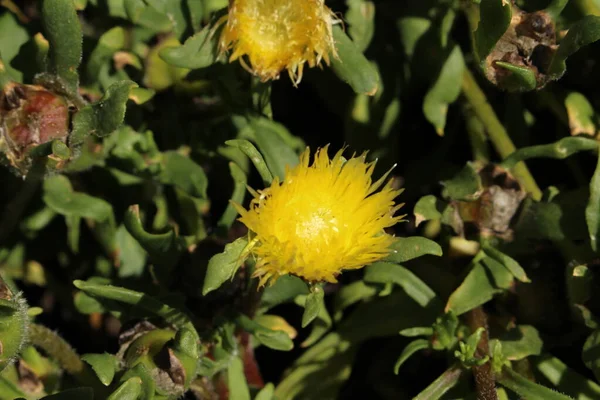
529, 42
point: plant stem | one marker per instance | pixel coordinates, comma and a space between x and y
485, 382
57, 348
496, 132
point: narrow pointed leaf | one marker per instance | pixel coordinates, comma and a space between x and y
409, 350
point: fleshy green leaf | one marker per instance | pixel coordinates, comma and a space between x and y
131, 389
257, 159
427, 208
384, 272
9, 45
409, 248
486, 278
442, 384
236, 380
466, 185
526, 388
104, 365
312, 306
520, 79
567, 380
199, 51
513, 266
60, 197
581, 33
223, 266
349, 295
266, 393
520, 342
103, 117
494, 20
277, 153
110, 42
239, 192
361, 20
591, 353
445, 90
352, 67
63, 31
409, 350
131, 297
184, 173
592, 211
284, 290
582, 116
273, 339
164, 248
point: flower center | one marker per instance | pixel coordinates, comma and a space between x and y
316, 227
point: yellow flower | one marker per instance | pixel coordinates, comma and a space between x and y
279, 34
322, 219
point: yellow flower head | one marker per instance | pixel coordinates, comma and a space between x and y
278, 34
322, 219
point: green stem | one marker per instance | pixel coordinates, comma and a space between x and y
442, 384
496, 132
57, 348
477, 136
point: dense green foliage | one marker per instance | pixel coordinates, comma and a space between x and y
125, 133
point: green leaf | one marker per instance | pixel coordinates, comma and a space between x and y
583, 32
164, 248
409, 350
278, 154
131, 297
147, 15
10, 43
526, 388
409, 248
384, 272
494, 20
520, 342
520, 79
591, 353
148, 385
351, 294
236, 380
104, 365
131, 389
559, 150
582, 116
515, 269
184, 173
486, 278
257, 159
320, 326
63, 31
442, 384
284, 290
352, 67
556, 7
361, 20
109, 43
465, 186
61, 198
567, 380
312, 306
273, 339
239, 191
445, 90
132, 256
427, 208
199, 51
223, 266
103, 117
592, 211
81, 393
266, 393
